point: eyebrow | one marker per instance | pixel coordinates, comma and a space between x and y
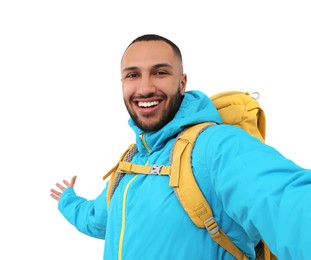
160, 65
156, 66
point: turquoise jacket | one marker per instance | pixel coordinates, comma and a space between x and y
255, 193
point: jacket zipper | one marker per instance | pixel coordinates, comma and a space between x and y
123, 217
142, 137
124, 204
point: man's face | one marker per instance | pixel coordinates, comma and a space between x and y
153, 83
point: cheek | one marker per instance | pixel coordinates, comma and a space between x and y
174, 87
126, 91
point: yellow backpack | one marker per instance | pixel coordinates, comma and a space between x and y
236, 108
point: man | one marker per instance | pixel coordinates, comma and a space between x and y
255, 193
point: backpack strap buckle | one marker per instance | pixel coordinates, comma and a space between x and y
211, 226
156, 169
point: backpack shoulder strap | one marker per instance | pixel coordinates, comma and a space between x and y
189, 193
115, 177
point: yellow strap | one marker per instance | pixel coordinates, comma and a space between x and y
111, 171
182, 179
180, 145
223, 240
114, 173
189, 193
127, 167
120, 160
178, 150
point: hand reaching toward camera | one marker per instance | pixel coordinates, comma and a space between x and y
56, 194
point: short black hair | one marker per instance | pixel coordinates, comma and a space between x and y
155, 37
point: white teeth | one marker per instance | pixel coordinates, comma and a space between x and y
148, 104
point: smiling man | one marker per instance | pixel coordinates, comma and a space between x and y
153, 82
254, 191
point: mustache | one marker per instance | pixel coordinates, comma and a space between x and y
151, 95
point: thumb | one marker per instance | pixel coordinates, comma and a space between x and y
73, 181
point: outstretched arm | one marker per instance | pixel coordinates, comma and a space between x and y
56, 194
88, 216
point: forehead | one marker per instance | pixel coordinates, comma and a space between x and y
148, 53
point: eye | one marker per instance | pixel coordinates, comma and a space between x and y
160, 73
131, 75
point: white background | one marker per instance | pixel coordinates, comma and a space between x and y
61, 110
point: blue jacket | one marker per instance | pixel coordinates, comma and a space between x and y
255, 193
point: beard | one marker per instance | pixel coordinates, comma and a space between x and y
166, 117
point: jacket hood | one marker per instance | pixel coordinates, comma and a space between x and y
195, 108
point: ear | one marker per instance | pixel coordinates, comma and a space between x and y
183, 83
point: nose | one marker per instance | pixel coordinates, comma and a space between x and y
145, 86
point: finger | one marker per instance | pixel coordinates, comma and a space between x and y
66, 183
54, 196
57, 193
61, 187
73, 181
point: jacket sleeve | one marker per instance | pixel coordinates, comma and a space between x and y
261, 190
88, 216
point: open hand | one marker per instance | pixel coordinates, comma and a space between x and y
56, 194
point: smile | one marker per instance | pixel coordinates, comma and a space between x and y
148, 104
